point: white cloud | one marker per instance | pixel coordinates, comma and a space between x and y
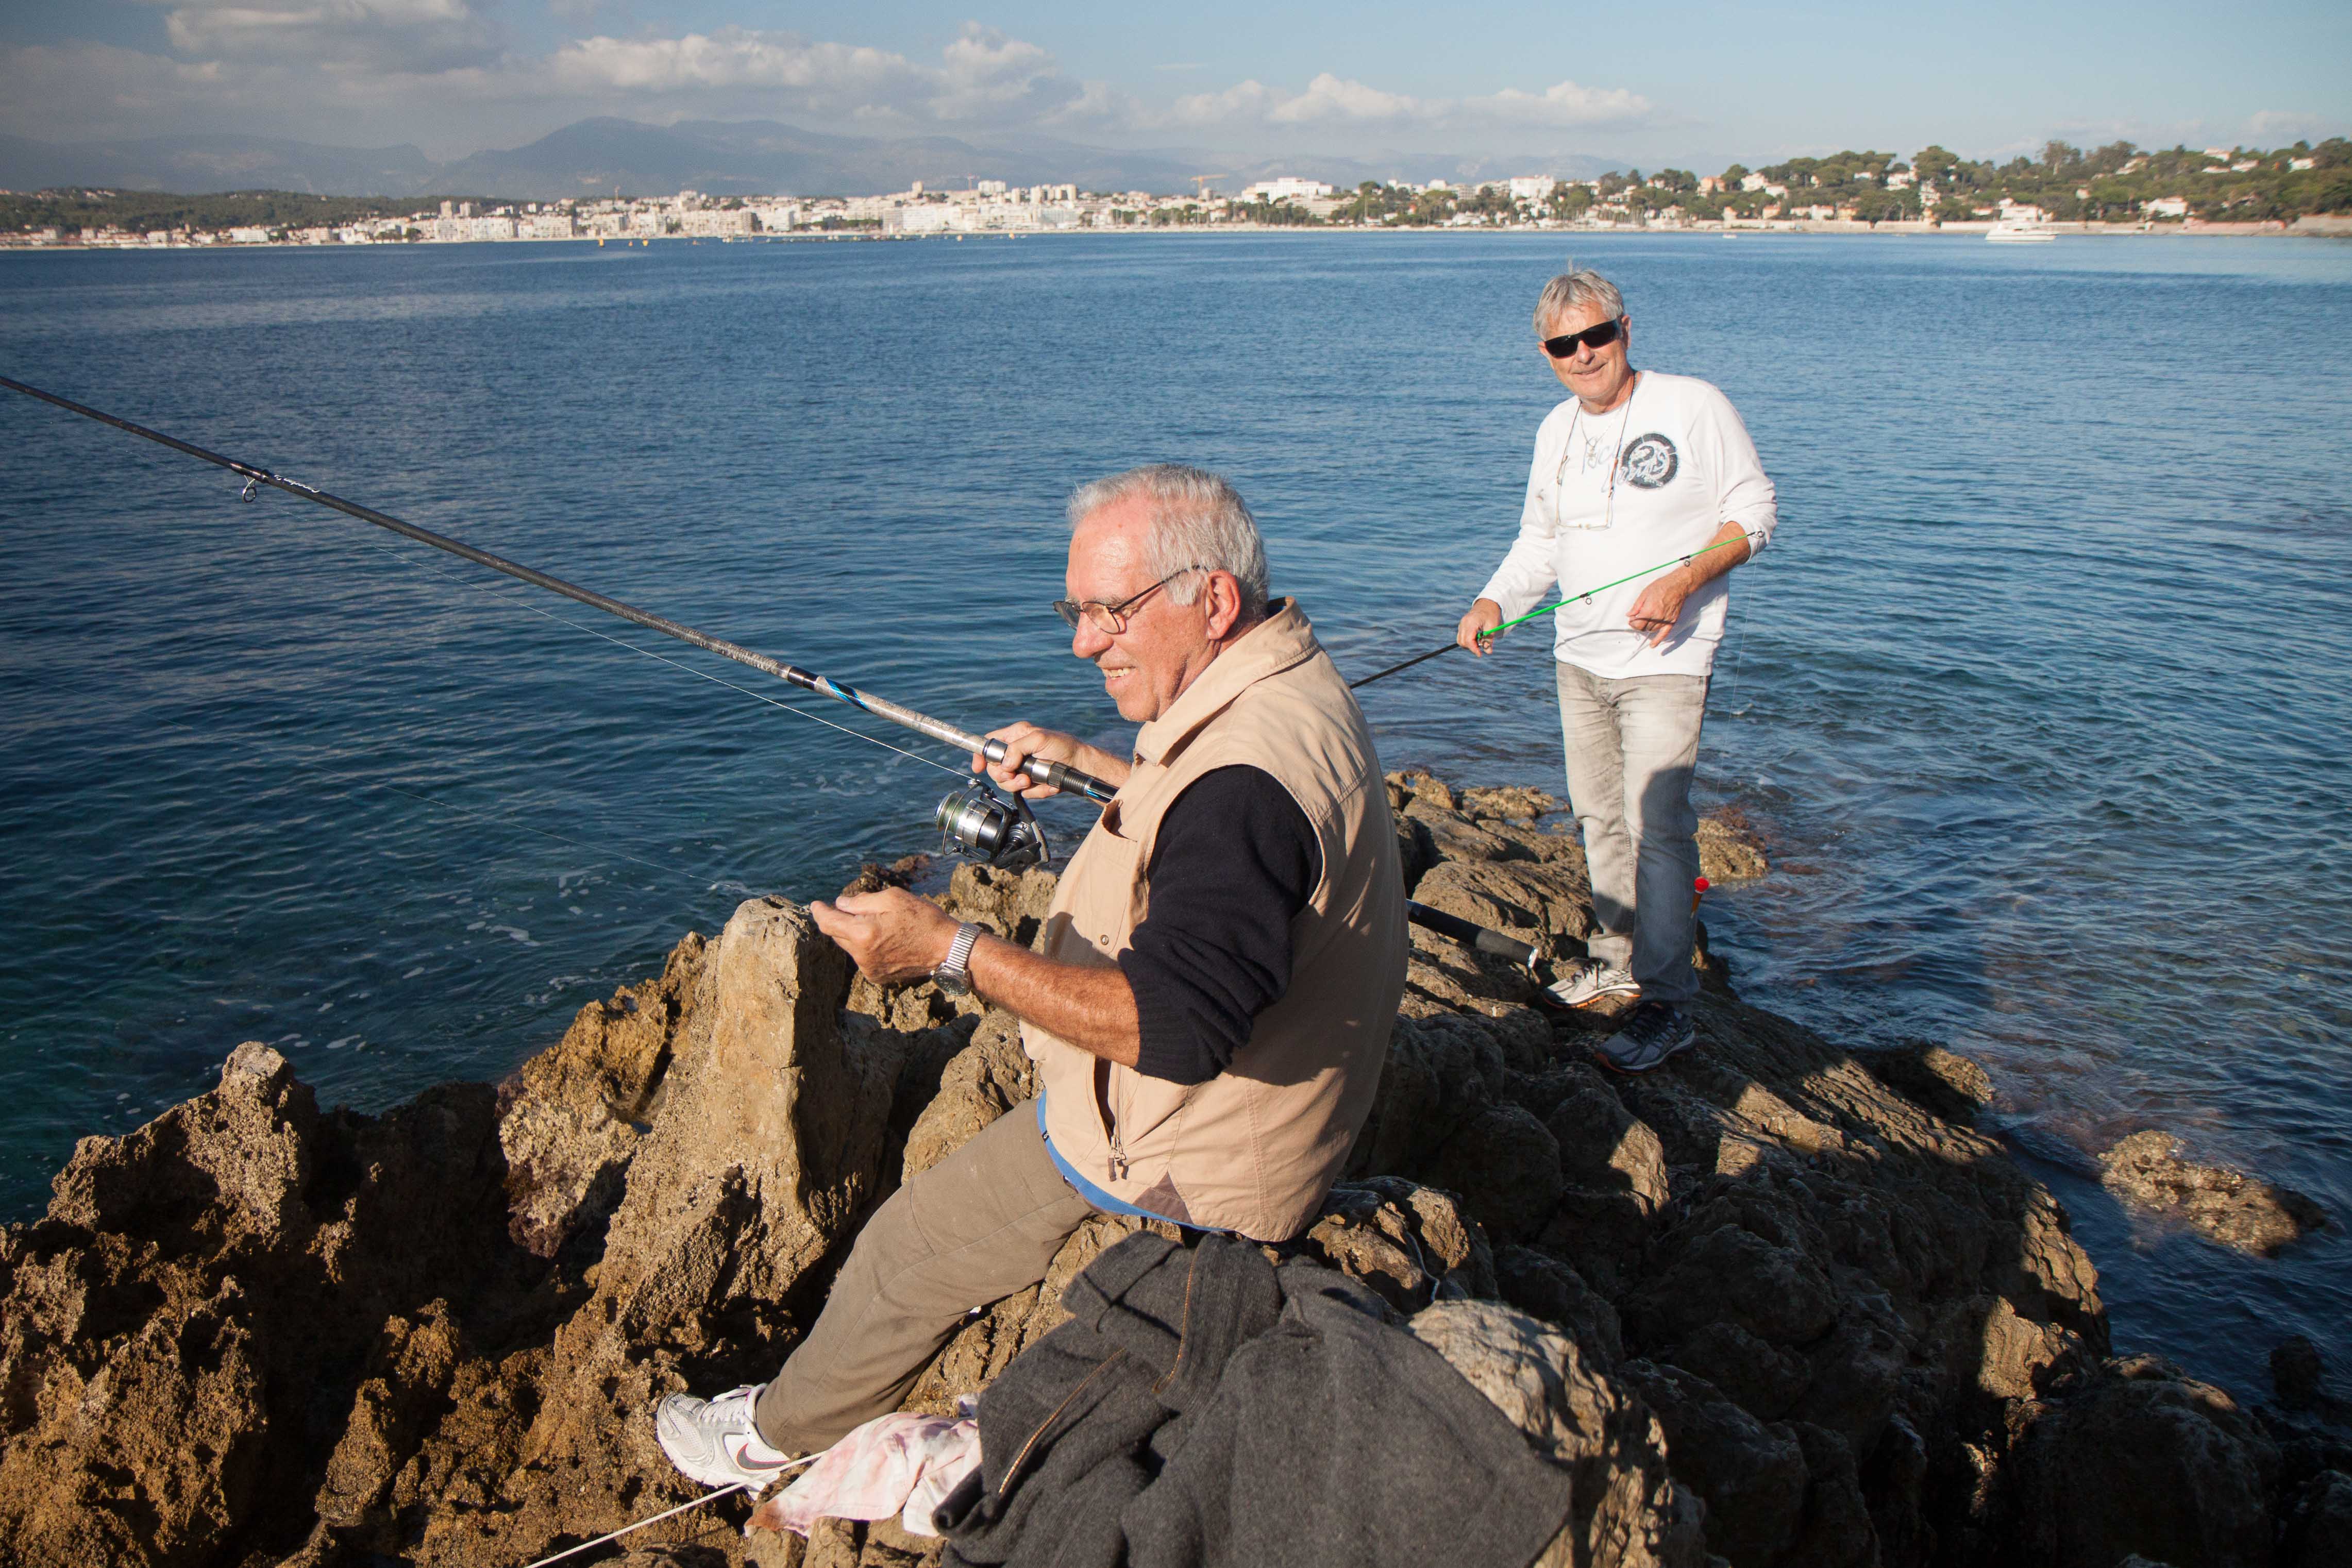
731, 58
1565, 104
1331, 101
406, 36
442, 73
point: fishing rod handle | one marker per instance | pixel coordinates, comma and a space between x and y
1060, 775
1523, 954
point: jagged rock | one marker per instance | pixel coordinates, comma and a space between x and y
986, 1078
1510, 802
764, 1155
1455, 837
322, 1343
2229, 1205
1412, 784
1411, 1244
1535, 900
2144, 1460
1506, 1165
1012, 904
1416, 850
1752, 1476
1729, 850
1626, 1509
1951, 1086
1539, 1283
201, 1285
572, 1114
2317, 1524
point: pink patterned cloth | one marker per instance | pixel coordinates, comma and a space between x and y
905, 1465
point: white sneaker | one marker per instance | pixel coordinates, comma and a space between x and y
714, 1442
1591, 981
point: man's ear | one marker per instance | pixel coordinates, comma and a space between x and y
1224, 606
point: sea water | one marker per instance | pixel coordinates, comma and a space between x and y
2040, 694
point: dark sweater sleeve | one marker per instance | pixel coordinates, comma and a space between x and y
1235, 863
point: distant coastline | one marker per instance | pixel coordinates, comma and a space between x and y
2328, 226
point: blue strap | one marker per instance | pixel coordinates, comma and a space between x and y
1089, 1190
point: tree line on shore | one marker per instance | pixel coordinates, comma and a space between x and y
2114, 183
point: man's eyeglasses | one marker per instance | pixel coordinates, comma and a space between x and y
1596, 337
1110, 620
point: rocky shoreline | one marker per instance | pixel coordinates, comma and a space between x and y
1778, 1304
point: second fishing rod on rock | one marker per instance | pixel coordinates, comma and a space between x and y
996, 827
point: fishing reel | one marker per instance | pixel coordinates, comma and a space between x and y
980, 821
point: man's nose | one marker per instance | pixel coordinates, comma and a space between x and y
1089, 641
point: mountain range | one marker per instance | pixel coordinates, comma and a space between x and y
758, 157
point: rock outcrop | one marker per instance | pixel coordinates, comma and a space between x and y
1773, 1305
2236, 1209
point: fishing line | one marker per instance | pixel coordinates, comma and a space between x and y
1584, 596
497, 591
666, 1513
1058, 775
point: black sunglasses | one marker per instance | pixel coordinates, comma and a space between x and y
1599, 336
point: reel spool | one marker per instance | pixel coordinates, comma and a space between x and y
976, 821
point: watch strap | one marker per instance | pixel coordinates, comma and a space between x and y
956, 968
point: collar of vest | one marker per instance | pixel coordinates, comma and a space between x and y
1283, 641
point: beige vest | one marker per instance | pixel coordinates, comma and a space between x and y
1256, 1149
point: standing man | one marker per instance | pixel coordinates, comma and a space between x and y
1212, 1006
1635, 467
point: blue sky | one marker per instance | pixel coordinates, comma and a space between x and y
1695, 84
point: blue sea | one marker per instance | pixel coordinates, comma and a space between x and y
2041, 693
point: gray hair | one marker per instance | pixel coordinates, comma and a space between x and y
1573, 289
1198, 520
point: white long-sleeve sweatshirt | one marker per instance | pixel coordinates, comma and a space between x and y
1614, 493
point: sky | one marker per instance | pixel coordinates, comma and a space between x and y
1695, 85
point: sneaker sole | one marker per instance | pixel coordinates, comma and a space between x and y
1619, 1068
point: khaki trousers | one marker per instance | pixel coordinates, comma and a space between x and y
974, 1228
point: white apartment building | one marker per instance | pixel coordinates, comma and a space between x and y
1289, 188
1531, 187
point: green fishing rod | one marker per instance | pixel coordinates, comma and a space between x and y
1547, 609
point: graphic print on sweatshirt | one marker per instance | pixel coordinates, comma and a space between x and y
1650, 461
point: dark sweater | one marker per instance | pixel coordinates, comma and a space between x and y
1204, 1409
1233, 864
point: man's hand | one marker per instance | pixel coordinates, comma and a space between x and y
1661, 605
1476, 632
892, 935
1022, 741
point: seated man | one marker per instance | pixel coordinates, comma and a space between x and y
1220, 973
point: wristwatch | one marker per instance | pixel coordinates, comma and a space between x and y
953, 977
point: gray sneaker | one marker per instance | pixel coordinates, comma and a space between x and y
1651, 1034
1591, 981
714, 1442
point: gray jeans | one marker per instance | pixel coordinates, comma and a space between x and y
979, 1225
1631, 746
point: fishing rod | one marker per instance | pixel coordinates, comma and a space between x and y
998, 827
1002, 827
1545, 609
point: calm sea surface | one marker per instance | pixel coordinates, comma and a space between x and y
2041, 693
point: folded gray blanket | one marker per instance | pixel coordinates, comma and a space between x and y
1204, 1408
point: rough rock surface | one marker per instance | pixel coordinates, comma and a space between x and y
2141, 1459
2229, 1205
1769, 1305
